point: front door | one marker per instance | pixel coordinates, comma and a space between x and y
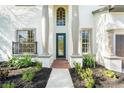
60, 45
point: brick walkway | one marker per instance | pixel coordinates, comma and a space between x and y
60, 63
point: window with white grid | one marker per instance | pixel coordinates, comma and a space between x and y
85, 41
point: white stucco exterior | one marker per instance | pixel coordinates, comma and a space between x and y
108, 25
13, 18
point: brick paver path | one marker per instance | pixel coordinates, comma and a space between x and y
60, 63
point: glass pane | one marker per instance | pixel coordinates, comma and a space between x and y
87, 36
60, 45
26, 36
60, 17
30, 36
23, 36
85, 41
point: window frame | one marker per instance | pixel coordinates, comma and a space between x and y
89, 30
60, 17
17, 43
26, 29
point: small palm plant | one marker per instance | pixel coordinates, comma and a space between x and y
88, 61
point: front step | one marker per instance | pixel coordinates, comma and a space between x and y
60, 63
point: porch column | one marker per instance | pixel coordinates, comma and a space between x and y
110, 43
75, 29
45, 29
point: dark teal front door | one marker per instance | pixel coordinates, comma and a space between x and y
60, 45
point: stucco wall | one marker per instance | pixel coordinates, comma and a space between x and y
86, 16
102, 20
87, 21
6, 37
19, 17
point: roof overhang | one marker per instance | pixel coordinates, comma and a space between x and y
110, 8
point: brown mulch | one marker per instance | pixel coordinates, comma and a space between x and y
101, 81
40, 80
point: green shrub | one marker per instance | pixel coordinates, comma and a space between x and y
19, 62
13, 62
25, 61
8, 85
78, 67
87, 76
110, 74
88, 61
4, 73
86, 73
38, 66
89, 83
83, 75
89, 72
28, 75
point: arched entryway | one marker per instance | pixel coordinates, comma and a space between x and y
60, 31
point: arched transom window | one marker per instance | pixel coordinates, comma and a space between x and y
60, 17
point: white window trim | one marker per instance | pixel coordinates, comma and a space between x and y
26, 29
90, 40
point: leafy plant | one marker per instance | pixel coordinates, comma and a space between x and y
8, 85
88, 61
28, 75
78, 67
83, 75
4, 73
89, 83
13, 62
19, 62
86, 73
38, 66
25, 61
110, 74
89, 72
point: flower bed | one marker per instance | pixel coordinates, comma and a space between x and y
39, 81
21, 72
103, 78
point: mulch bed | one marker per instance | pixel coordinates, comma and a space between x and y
101, 81
40, 80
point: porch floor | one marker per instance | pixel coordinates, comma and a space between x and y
60, 63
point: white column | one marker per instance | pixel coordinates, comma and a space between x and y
75, 29
45, 29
